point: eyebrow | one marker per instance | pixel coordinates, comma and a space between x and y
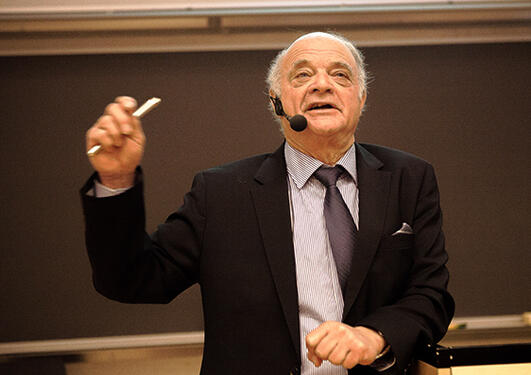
344, 66
303, 62
297, 64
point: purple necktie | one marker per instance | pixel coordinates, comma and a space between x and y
342, 230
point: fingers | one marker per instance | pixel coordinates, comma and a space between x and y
343, 345
327, 342
318, 347
105, 132
130, 125
351, 359
314, 358
121, 140
116, 122
122, 116
128, 103
314, 337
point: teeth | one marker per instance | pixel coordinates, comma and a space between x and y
319, 106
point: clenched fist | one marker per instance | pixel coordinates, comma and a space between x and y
122, 139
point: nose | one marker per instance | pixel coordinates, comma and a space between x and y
321, 83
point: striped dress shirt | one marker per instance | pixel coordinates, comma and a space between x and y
319, 292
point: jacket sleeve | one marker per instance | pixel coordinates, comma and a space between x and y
130, 266
421, 315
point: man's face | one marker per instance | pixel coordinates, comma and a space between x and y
319, 81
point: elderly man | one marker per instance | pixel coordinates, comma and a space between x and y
323, 256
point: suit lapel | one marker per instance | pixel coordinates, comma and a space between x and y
270, 197
373, 185
271, 201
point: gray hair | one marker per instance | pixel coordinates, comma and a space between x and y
274, 74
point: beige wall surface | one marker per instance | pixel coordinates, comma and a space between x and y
161, 361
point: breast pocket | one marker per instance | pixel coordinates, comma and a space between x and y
399, 241
391, 267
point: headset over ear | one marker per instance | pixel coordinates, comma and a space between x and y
277, 104
298, 122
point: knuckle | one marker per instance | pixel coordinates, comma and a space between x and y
110, 107
341, 329
105, 119
125, 100
114, 131
356, 348
334, 361
93, 132
335, 358
351, 360
105, 140
359, 345
348, 364
321, 353
366, 361
103, 122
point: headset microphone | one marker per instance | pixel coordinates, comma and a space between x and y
297, 122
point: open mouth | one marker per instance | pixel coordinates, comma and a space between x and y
318, 106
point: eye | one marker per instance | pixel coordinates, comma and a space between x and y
302, 74
341, 74
342, 77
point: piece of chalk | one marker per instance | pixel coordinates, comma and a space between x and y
139, 113
147, 107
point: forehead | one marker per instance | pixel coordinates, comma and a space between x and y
318, 51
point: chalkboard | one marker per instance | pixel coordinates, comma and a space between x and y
465, 108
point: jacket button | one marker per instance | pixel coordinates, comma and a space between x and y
295, 371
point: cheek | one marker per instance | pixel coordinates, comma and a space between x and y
354, 109
292, 100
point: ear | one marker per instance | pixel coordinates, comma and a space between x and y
362, 101
277, 104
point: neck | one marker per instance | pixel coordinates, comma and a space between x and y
327, 151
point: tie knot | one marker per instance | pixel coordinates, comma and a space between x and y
328, 176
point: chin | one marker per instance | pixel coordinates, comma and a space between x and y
325, 127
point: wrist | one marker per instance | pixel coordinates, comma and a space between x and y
117, 181
386, 358
384, 351
385, 345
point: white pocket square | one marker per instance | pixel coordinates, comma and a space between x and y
406, 229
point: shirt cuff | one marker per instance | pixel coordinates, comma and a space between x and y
102, 191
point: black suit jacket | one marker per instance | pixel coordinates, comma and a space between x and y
233, 236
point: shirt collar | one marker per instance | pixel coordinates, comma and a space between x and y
301, 166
